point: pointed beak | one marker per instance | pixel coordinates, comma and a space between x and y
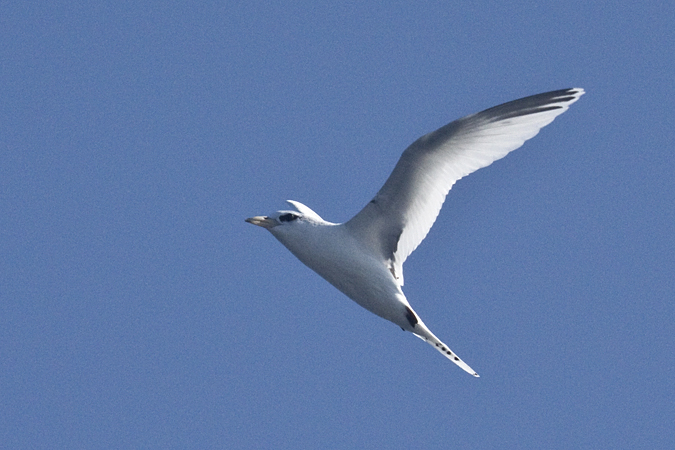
262, 221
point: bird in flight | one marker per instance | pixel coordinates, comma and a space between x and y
364, 256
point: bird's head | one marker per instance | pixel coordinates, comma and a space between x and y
286, 220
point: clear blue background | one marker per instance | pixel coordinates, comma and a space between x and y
138, 310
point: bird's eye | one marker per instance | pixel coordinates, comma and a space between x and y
287, 217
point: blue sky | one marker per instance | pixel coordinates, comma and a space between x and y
138, 310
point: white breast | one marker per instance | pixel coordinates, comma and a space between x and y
332, 252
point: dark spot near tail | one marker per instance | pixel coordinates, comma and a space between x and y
410, 315
456, 358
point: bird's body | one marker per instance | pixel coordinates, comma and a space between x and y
363, 257
345, 261
355, 272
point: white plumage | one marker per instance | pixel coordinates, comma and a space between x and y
363, 257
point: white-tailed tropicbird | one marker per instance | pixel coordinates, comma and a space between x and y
363, 257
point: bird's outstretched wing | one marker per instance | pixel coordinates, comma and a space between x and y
399, 217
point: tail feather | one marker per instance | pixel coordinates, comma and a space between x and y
445, 351
430, 338
419, 329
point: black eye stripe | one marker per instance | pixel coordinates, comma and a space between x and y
287, 217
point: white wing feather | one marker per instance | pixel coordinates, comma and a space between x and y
399, 217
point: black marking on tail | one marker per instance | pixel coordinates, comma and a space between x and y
447, 351
410, 315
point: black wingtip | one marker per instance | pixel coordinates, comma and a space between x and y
538, 103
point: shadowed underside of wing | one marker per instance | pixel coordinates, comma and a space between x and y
401, 214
